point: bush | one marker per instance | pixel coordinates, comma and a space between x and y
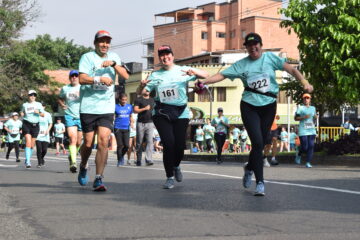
348, 144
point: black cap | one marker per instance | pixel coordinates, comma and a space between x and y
252, 37
165, 49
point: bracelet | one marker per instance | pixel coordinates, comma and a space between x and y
114, 64
97, 80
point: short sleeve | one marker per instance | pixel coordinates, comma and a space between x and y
62, 93
50, 119
41, 108
151, 85
6, 124
277, 61
22, 108
232, 72
85, 64
137, 102
190, 78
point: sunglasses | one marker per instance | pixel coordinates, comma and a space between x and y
33, 94
74, 75
306, 98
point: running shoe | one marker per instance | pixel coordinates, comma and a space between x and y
38, 166
247, 177
98, 185
83, 178
298, 159
169, 184
218, 160
260, 189
128, 162
28, 166
73, 168
120, 162
274, 162
149, 163
7, 157
178, 174
266, 163
138, 163
308, 165
17, 160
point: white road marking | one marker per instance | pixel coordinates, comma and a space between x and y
56, 159
7, 166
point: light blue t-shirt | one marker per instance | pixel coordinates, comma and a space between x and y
58, 129
15, 127
209, 131
306, 126
243, 134
236, 133
257, 74
171, 87
44, 125
292, 137
71, 95
199, 134
97, 99
28, 110
220, 128
283, 136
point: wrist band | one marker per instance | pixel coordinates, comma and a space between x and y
114, 64
97, 80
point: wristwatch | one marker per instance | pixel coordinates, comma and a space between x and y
114, 64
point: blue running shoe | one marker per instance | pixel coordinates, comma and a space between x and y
83, 178
169, 183
260, 189
121, 162
247, 177
308, 165
98, 185
298, 159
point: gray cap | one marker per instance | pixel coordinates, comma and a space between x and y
220, 109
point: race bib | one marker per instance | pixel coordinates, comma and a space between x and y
15, 131
42, 133
30, 110
168, 94
309, 125
100, 87
72, 96
260, 82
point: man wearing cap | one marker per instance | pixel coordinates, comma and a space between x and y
69, 100
13, 127
221, 124
98, 71
31, 112
306, 114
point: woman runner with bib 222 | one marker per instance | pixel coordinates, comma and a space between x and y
258, 104
170, 114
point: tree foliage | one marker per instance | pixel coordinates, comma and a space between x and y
329, 45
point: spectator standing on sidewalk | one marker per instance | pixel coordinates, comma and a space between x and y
144, 128
284, 137
221, 124
209, 131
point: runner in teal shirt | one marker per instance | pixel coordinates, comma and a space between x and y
258, 104
59, 130
199, 138
13, 127
171, 115
221, 124
43, 139
98, 70
209, 131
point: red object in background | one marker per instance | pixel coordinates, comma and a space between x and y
201, 88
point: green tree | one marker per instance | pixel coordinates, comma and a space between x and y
329, 45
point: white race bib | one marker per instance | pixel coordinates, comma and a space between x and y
15, 131
168, 93
30, 110
73, 96
100, 87
260, 82
309, 125
42, 133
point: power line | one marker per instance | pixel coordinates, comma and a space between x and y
167, 34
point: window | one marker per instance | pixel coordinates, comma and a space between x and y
221, 94
232, 33
220, 34
243, 34
204, 35
133, 96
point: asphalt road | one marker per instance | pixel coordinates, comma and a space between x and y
48, 203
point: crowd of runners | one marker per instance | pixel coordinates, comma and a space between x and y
92, 114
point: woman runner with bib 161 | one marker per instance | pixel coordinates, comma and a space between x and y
258, 103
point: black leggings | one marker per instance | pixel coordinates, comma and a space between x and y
220, 140
172, 136
41, 150
11, 146
122, 142
257, 121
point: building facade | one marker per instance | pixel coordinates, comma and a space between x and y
217, 27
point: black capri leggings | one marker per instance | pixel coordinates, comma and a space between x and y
12, 145
220, 139
41, 150
172, 134
122, 142
257, 121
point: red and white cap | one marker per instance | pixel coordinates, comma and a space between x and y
102, 33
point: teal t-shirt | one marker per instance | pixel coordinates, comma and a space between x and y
58, 129
292, 137
199, 134
171, 87
220, 128
71, 95
15, 127
28, 110
243, 135
306, 126
44, 125
236, 133
209, 131
258, 74
97, 99
283, 136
